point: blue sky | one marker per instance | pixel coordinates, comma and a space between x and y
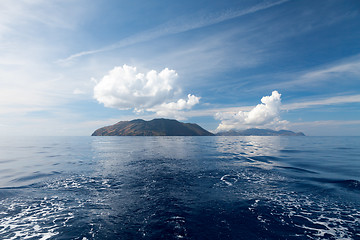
69, 67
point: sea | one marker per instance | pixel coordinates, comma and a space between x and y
180, 187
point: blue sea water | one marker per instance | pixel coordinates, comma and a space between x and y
180, 188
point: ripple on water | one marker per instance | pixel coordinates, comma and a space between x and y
38, 219
68, 201
303, 214
349, 184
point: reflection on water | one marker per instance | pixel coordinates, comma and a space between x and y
249, 145
180, 188
250, 150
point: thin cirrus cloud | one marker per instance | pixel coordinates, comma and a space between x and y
322, 102
347, 70
124, 88
178, 26
22, 14
265, 114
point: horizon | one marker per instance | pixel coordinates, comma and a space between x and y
71, 67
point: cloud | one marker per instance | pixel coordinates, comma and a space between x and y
17, 15
174, 109
328, 127
125, 88
78, 92
346, 70
178, 26
322, 102
330, 101
266, 114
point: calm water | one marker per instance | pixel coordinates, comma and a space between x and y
180, 188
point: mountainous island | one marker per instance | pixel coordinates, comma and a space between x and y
169, 127
260, 132
155, 127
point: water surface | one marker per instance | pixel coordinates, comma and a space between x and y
180, 188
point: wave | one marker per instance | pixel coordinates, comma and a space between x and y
265, 159
290, 151
34, 176
349, 184
298, 169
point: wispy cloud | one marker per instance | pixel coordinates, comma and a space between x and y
322, 102
327, 127
30, 35
326, 123
20, 13
178, 26
212, 111
347, 68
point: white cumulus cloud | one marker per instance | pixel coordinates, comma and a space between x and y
125, 88
266, 114
174, 109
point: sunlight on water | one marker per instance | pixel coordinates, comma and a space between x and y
180, 188
33, 219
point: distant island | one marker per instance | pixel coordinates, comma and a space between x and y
155, 127
170, 127
260, 132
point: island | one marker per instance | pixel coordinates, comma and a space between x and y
155, 127
171, 127
260, 132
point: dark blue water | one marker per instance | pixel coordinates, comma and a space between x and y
180, 188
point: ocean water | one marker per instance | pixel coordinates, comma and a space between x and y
180, 188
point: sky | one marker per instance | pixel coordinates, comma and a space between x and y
68, 67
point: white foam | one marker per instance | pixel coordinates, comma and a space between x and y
37, 220
323, 217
